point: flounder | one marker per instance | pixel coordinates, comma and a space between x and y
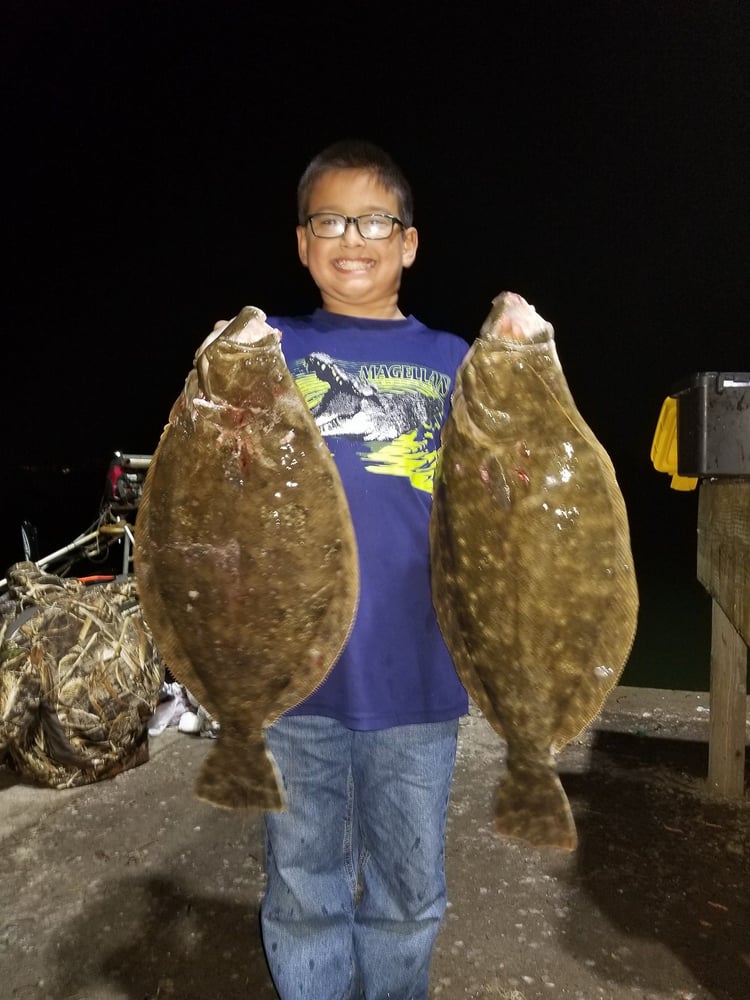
245, 555
532, 572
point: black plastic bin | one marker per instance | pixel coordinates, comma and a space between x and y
713, 424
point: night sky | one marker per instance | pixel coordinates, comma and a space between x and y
591, 156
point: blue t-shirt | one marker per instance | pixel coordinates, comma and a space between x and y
380, 391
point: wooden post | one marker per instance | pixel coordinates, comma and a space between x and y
726, 735
724, 570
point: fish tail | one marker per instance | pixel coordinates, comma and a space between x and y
531, 805
240, 775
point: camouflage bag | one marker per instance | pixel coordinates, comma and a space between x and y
79, 678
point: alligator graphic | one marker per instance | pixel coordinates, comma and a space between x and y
356, 408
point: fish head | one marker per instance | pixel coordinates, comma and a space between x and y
513, 319
246, 335
514, 340
248, 327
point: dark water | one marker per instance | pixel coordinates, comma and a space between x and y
673, 642
672, 645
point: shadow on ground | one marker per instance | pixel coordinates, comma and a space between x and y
192, 946
661, 863
653, 904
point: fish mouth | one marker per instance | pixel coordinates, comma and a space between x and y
353, 265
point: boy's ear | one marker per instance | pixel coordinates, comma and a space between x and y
302, 244
409, 251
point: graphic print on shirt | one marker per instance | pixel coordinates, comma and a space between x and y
395, 410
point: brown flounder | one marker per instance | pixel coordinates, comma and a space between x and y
245, 554
532, 573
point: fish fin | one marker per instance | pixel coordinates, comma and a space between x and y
531, 805
240, 775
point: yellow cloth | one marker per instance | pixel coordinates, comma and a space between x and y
664, 446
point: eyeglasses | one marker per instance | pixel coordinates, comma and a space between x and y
374, 226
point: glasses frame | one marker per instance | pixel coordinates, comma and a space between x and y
354, 220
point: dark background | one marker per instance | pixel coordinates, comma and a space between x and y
591, 156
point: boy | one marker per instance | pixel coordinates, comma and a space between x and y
356, 885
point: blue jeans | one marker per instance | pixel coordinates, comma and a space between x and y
356, 877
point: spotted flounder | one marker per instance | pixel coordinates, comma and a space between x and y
532, 573
245, 555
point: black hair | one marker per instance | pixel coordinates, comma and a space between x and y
356, 154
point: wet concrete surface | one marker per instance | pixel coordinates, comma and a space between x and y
131, 889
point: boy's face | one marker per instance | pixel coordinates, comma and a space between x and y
355, 276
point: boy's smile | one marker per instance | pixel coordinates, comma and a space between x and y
353, 264
356, 276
